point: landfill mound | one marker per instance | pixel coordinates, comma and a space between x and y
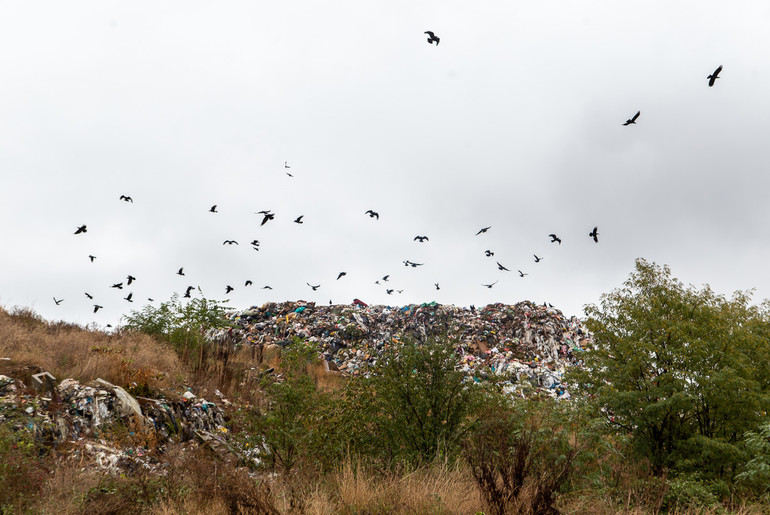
525, 345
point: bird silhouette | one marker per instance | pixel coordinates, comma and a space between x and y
484, 229
267, 217
385, 278
373, 214
421, 239
537, 259
389, 292
286, 164
267, 287
91, 258
521, 274
213, 209
490, 285
180, 271
489, 253
126, 198
554, 238
187, 291
255, 243
432, 37
57, 301
501, 267
632, 120
314, 287
299, 219
341, 274
131, 279
595, 234
117, 285
714, 76
91, 297
248, 283
97, 307
80, 229
413, 265
128, 298
229, 242
228, 289
437, 287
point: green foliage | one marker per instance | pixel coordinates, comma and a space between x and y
679, 370
689, 493
21, 468
182, 325
292, 425
756, 474
413, 407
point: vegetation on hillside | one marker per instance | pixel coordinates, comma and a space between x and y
669, 414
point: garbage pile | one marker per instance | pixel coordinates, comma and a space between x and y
80, 414
526, 346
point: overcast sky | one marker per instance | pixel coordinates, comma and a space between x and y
513, 121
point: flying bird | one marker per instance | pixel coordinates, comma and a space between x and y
490, 285
432, 37
373, 214
489, 253
554, 238
89, 296
421, 239
501, 267
97, 307
91, 258
286, 164
255, 243
341, 274
117, 285
57, 301
229, 242
484, 229
537, 259
129, 297
437, 286
632, 120
80, 229
389, 292
714, 76
180, 271
187, 291
267, 287
267, 218
126, 198
413, 265
314, 287
299, 219
521, 274
228, 289
213, 209
386, 278
248, 283
131, 279
595, 234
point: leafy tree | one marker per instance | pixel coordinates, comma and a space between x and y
677, 369
414, 405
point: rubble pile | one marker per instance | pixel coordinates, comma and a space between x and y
525, 345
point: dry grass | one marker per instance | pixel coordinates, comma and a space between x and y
67, 350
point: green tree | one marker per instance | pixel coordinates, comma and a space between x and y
414, 405
676, 368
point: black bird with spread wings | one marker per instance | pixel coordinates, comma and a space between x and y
632, 120
129, 297
91, 297
248, 283
180, 271
97, 307
714, 76
314, 287
501, 267
554, 238
432, 37
299, 219
187, 292
229, 242
228, 289
267, 217
91, 258
131, 279
521, 274
373, 214
126, 198
490, 285
595, 234
341, 274
537, 259
80, 229
421, 239
483, 230
117, 285
489, 253
57, 301
213, 209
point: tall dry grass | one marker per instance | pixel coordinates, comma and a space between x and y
67, 350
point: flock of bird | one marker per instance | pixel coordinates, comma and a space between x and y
268, 215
